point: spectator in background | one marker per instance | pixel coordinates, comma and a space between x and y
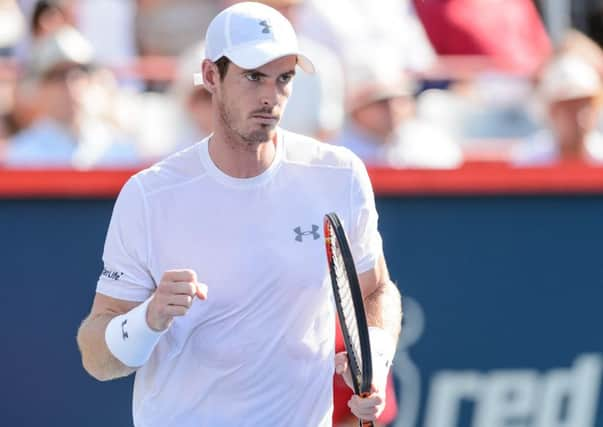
12, 26
579, 44
117, 46
381, 126
168, 27
7, 97
570, 91
345, 24
62, 134
49, 16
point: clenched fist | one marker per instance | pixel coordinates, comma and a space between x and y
173, 297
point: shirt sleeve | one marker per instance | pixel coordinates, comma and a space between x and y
365, 240
126, 274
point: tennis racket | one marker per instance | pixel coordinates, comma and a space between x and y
350, 307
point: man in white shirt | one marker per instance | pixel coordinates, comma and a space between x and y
215, 287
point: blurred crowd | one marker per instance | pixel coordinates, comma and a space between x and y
410, 84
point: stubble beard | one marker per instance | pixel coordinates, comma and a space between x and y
247, 140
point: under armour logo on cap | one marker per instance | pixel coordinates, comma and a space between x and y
251, 35
266, 25
300, 234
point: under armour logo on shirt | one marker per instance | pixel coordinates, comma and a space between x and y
267, 26
299, 234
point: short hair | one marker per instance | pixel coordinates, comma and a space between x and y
222, 64
41, 8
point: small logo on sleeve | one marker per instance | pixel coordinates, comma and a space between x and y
113, 275
124, 333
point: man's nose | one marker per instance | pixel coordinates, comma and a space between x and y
269, 96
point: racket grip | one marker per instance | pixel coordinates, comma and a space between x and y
365, 423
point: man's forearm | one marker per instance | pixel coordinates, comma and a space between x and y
384, 308
96, 357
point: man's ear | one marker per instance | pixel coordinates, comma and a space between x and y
211, 75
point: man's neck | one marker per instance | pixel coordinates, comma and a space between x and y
238, 159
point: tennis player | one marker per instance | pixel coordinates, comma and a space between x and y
215, 288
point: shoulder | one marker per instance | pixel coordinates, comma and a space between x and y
178, 169
308, 152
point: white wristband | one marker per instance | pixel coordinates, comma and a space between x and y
383, 350
129, 337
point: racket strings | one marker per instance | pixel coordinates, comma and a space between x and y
347, 304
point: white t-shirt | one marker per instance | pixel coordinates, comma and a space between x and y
260, 349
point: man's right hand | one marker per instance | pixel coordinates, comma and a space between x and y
173, 297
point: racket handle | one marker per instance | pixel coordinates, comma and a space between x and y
365, 423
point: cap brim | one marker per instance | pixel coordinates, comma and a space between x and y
570, 94
251, 57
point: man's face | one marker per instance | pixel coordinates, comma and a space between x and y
251, 102
573, 119
61, 93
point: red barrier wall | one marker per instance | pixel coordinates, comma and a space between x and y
475, 178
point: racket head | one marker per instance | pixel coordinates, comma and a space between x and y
349, 303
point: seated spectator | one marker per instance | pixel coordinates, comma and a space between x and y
49, 16
6, 105
570, 91
62, 134
168, 27
381, 125
579, 44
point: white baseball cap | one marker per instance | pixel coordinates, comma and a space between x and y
250, 35
569, 77
65, 46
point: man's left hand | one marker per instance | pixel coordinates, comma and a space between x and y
365, 408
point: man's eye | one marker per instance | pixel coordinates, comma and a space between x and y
253, 77
286, 78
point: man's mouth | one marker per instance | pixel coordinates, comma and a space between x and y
266, 118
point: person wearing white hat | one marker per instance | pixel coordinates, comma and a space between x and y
64, 134
215, 288
381, 126
570, 92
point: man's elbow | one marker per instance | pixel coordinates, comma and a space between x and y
90, 358
94, 370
